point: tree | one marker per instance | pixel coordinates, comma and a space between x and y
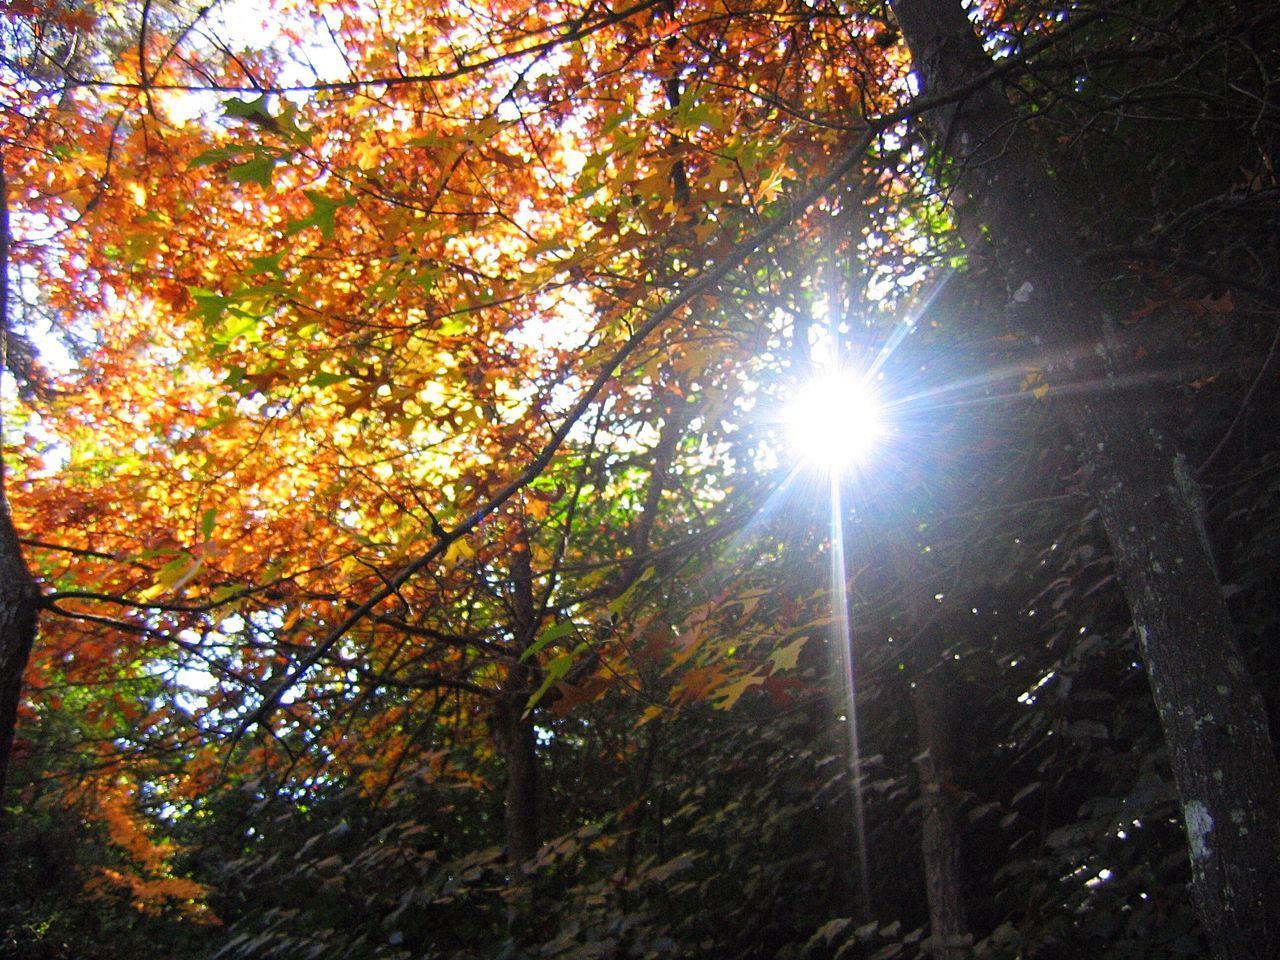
18, 592
1212, 713
414, 540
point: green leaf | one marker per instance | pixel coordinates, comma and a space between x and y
324, 378
258, 170
284, 123
171, 576
550, 635
620, 602
209, 306
208, 521
322, 213
238, 324
218, 155
174, 570
734, 691
555, 672
269, 264
225, 592
828, 932
247, 109
786, 657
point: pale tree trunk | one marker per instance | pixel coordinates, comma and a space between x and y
949, 937
1213, 717
19, 596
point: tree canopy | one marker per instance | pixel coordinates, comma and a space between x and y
405, 551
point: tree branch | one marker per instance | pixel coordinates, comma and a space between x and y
702, 284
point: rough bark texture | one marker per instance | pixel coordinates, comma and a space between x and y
19, 596
1213, 717
949, 937
18, 608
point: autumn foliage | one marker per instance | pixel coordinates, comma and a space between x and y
392, 429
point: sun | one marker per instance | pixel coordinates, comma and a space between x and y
835, 421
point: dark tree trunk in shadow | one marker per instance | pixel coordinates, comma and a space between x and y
1213, 716
516, 742
949, 936
19, 600
19, 595
513, 726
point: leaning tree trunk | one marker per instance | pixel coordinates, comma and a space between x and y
19, 596
1213, 717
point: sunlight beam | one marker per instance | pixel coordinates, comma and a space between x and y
847, 657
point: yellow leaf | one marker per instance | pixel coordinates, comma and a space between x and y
785, 658
367, 154
152, 592
458, 551
650, 713
733, 693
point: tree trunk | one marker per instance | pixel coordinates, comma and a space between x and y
518, 745
516, 742
1213, 717
19, 596
949, 937
931, 699
19, 601
513, 729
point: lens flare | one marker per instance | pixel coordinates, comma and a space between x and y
835, 422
